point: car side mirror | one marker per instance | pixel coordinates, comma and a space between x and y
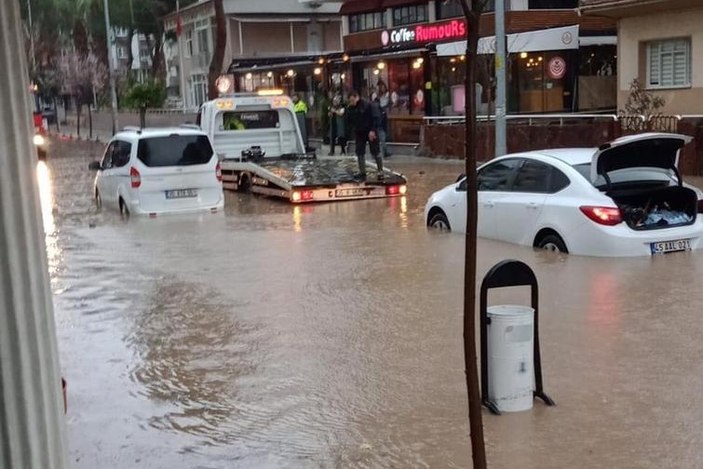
94, 166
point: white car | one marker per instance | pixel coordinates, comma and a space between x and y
159, 170
624, 199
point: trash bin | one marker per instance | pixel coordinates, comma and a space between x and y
511, 357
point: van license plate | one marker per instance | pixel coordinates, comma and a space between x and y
181, 194
349, 192
671, 246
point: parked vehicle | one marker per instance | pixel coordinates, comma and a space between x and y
159, 170
256, 135
626, 198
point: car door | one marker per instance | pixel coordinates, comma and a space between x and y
521, 208
494, 182
105, 183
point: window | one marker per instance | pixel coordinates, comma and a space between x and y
366, 22
199, 89
533, 176
188, 52
121, 153
669, 63
203, 42
106, 163
497, 176
452, 8
552, 4
250, 120
175, 150
409, 14
121, 52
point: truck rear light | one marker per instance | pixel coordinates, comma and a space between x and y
135, 177
302, 196
218, 172
609, 216
396, 190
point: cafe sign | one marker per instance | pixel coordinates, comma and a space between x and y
426, 32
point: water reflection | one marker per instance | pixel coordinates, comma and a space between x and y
46, 197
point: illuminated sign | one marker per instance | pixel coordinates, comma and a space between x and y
427, 32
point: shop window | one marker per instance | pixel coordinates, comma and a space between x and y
669, 63
452, 8
366, 22
541, 81
409, 14
552, 4
597, 78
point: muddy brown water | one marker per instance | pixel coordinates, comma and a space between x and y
330, 336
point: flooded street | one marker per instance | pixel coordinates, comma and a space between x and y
325, 336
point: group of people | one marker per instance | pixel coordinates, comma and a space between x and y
366, 121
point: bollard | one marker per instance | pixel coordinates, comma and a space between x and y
510, 273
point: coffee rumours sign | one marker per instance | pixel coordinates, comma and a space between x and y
426, 32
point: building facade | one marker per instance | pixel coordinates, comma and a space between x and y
659, 43
557, 60
270, 43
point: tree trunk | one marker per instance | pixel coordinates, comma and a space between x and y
219, 55
90, 122
158, 67
142, 117
130, 56
56, 114
472, 12
78, 116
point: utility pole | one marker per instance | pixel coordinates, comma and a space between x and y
32, 428
501, 147
111, 66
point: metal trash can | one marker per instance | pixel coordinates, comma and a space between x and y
511, 357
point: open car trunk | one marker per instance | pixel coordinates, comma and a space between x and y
652, 209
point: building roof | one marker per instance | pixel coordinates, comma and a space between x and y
627, 8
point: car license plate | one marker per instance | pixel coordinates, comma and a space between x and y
181, 194
663, 247
349, 192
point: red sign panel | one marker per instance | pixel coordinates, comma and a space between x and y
427, 32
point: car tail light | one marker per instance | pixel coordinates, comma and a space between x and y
218, 172
609, 216
302, 196
135, 177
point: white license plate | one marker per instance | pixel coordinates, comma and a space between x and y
349, 192
181, 194
663, 247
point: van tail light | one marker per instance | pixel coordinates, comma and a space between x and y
396, 190
135, 177
609, 216
218, 172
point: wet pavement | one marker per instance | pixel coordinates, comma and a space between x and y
326, 336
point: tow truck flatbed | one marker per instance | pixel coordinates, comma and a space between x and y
260, 147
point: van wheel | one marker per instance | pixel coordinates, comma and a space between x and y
244, 182
124, 210
554, 243
439, 222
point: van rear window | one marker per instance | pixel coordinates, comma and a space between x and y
247, 120
175, 150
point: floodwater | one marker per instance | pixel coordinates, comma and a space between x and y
328, 336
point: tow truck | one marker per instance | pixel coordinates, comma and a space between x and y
261, 150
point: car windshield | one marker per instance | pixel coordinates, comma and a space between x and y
175, 150
628, 175
248, 120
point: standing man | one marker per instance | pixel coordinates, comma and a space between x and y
365, 120
337, 130
384, 102
301, 112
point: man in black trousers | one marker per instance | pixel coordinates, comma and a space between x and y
365, 121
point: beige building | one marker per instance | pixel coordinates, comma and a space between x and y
660, 42
260, 29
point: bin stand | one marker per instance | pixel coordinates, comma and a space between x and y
509, 273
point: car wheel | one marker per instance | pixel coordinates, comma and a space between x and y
124, 210
554, 243
244, 182
439, 222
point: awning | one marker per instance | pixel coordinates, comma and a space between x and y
532, 41
399, 54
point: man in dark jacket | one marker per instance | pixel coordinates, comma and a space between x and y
365, 121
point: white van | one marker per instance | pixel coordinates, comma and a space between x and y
159, 170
